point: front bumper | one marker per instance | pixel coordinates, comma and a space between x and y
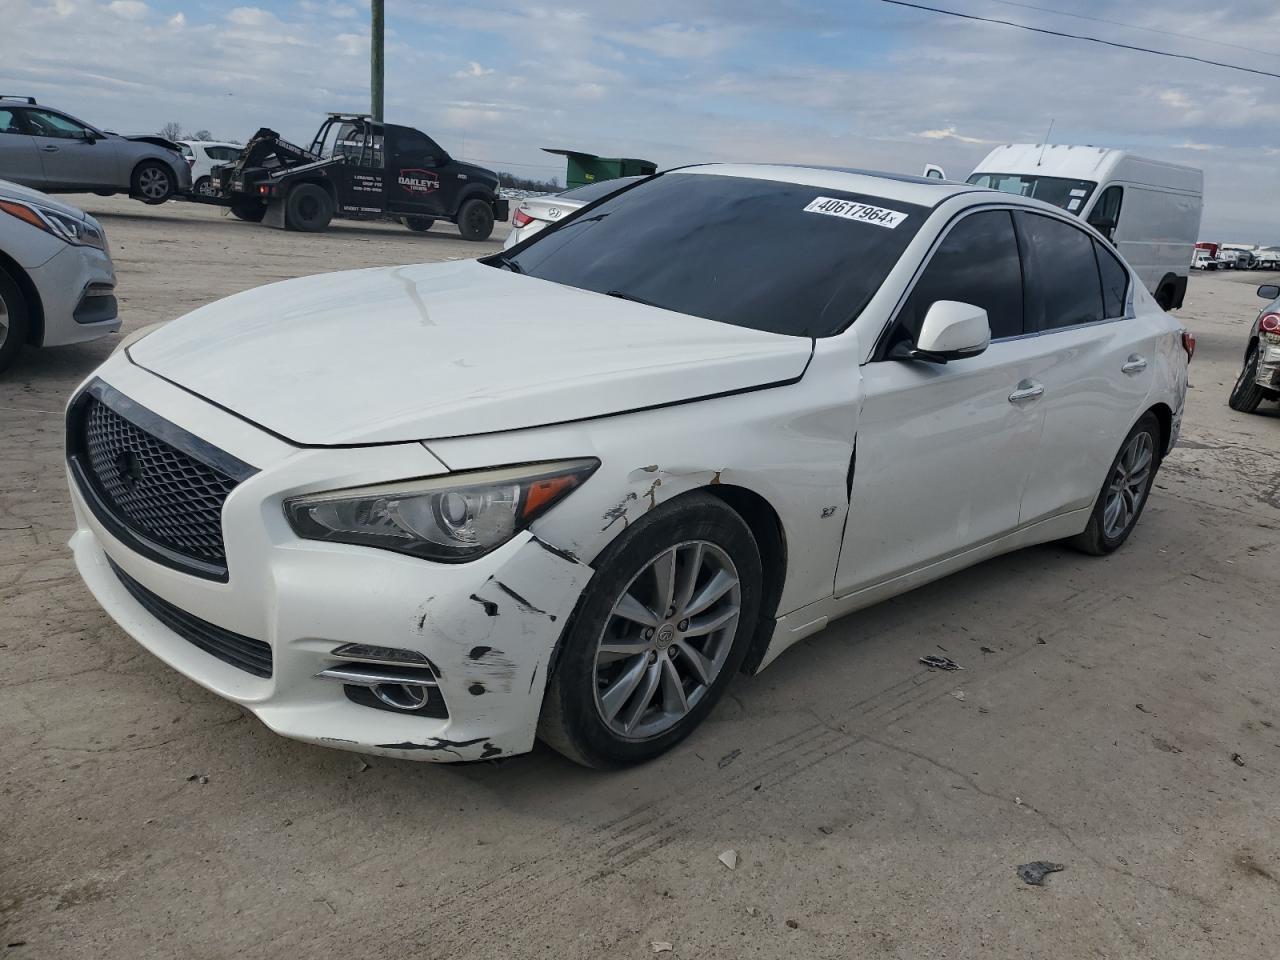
77, 293
488, 627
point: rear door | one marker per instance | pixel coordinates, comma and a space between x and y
19, 156
1094, 360
944, 450
421, 181
71, 154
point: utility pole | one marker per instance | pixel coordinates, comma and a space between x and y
375, 59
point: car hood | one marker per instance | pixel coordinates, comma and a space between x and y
430, 351
13, 191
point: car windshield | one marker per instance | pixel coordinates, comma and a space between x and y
594, 191
1070, 195
763, 254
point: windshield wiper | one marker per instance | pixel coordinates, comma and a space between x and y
633, 298
507, 262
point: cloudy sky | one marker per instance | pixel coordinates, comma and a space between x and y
847, 82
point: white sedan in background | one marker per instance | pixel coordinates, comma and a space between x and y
202, 156
57, 283
435, 529
537, 213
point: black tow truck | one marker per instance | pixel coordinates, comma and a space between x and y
357, 169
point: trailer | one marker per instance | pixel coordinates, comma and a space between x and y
357, 168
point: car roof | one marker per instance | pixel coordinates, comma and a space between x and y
922, 191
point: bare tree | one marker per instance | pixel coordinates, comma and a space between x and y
202, 135
171, 130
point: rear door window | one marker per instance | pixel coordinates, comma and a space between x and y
9, 122
1115, 281
977, 262
1063, 287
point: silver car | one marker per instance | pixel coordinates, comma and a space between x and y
57, 284
52, 151
1259, 378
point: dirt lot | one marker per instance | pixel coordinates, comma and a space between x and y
874, 811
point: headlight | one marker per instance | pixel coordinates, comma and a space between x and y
64, 227
451, 519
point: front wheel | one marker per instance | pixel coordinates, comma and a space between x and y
1246, 394
13, 320
475, 220
152, 182
657, 636
419, 224
203, 187
248, 209
1125, 492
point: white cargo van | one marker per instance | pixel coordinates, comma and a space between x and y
1149, 209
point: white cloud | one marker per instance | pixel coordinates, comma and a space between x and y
473, 69
249, 16
129, 9
948, 133
178, 20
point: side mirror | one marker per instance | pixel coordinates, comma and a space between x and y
89, 138
1269, 291
951, 331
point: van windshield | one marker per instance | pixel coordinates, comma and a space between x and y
1070, 195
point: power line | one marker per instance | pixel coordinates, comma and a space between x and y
1077, 36
1134, 26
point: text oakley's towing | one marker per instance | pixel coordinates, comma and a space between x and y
570, 490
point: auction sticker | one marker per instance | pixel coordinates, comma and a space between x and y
856, 211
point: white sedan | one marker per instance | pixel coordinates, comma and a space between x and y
538, 213
433, 511
57, 282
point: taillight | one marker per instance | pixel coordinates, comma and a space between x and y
1269, 323
521, 219
1189, 344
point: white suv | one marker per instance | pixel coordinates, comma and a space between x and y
202, 156
57, 284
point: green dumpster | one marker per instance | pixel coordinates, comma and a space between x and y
583, 168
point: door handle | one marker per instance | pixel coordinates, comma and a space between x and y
1026, 390
1134, 365
50, 148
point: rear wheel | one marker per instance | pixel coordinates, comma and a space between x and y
152, 182
308, 208
657, 636
13, 320
248, 209
1125, 492
1246, 394
419, 224
1164, 297
475, 220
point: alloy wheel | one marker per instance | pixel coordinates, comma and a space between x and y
666, 639
1128, 485
153, 183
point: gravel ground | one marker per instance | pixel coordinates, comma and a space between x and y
1117, 718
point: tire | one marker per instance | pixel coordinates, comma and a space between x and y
13, 320
203, 187
1246, 394
475, 219
152, 182
1164, 297
1105, 533
696, 527
419, 224
308, 208
248, 209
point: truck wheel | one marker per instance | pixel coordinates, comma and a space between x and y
475, 219
13, 320
1246, 394
248, 209
418, 224
152, 182
308, 208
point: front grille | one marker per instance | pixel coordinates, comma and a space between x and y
154, 485
250, 655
